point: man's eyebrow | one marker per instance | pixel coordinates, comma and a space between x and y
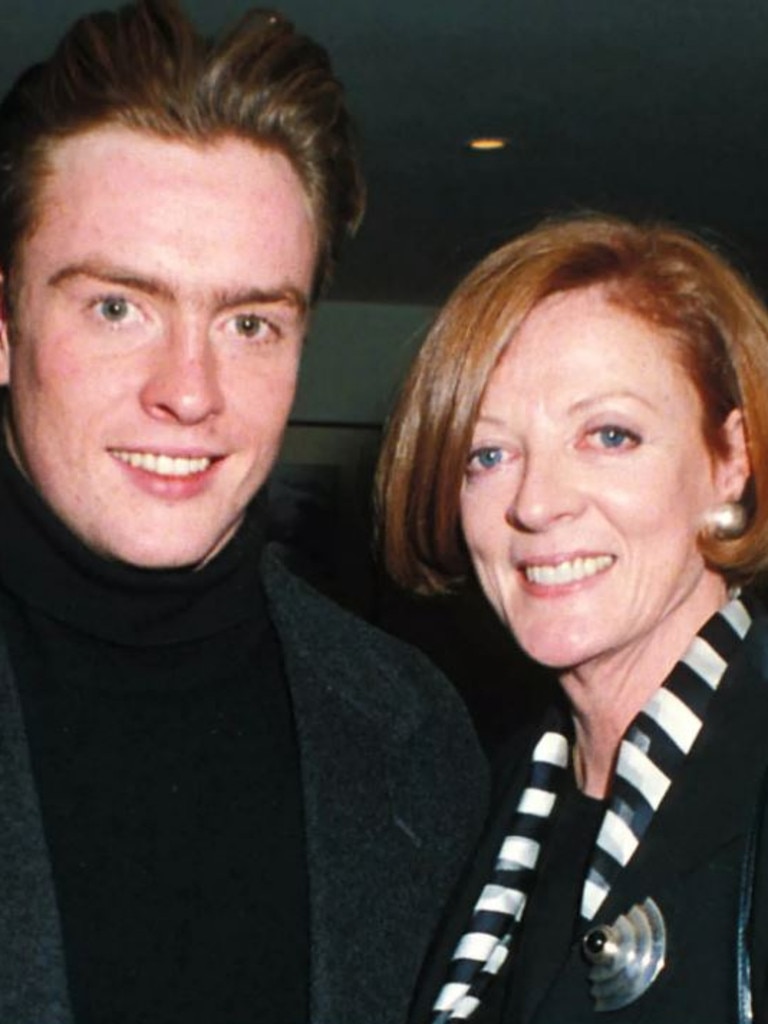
112, 274
224, 298
287, 295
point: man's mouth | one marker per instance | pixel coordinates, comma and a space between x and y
569, 571
164, 465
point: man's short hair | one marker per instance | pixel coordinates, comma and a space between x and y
145, 67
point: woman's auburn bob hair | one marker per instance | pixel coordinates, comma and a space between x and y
663, 275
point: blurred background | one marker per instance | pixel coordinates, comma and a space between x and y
655, 108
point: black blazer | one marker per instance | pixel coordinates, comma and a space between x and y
394, 794
689, 861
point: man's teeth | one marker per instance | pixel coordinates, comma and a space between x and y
567, 572
163, 465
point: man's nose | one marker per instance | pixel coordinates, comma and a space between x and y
183, 383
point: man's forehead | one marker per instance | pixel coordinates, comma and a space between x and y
117, 145
164, 207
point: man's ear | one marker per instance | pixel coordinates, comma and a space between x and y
5, 319
733, 469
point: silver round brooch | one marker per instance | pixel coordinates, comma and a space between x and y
626, 957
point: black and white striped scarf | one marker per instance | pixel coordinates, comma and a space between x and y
653, 748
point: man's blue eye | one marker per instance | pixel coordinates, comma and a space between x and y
113, 309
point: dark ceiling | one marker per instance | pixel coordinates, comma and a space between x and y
653, 107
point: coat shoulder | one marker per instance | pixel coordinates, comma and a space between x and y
368, 667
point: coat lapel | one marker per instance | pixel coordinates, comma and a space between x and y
514, 766
383, 851
33, 986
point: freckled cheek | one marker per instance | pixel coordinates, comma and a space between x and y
640, 501
50, 367
498, 587
487, 544
483, 517
284, 389
259, 414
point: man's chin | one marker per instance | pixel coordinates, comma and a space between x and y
163, 552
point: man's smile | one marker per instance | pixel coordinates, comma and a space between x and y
163, 465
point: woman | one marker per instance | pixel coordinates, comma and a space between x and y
586, 430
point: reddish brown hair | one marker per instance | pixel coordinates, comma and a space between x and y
145, 67
665, 276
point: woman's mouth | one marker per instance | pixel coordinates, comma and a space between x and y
569, 571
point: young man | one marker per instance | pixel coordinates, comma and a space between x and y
222, 800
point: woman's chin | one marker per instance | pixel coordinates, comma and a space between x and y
556, 653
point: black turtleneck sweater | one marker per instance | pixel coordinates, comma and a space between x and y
163, 748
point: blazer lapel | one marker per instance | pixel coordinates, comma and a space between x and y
33, 987
711, 802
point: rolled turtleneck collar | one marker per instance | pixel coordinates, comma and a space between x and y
47, 567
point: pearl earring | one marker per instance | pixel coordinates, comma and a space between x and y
725, 522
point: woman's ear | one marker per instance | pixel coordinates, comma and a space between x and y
733, 469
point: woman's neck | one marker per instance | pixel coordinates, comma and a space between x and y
607, 693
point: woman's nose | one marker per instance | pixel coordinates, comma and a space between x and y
545, 494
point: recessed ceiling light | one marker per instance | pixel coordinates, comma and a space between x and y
487, 143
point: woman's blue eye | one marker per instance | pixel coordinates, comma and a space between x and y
616, 437
487, 458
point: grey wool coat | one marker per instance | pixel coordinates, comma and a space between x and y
394, 792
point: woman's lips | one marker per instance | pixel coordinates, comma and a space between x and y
570, 570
